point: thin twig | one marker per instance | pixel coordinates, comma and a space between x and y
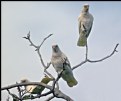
83, 62
45, 39
28, 38
86, 52
24, 92
60, 94
56, 80
13, 95
50, 98
45, 67
40, 56
38, 51
41, 59
93, 61
19, 91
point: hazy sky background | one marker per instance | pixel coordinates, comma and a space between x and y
96, 81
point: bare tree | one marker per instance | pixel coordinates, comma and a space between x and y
54, 88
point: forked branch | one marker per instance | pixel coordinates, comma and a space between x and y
52, 89
94, 61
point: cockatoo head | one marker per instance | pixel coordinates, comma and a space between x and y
24, 80
29, 88
86, 8
55, 48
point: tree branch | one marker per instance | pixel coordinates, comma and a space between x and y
106, 56
55, 91
93, 61
52, 89
13, 95
37, 49
25, 84
45, 39
59, 94
19, 91
50, 98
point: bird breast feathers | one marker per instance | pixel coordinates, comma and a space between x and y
58, 61
88, 17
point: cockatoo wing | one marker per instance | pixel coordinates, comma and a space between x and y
89, 30
89, 24
67, 73
65, 60
85, 23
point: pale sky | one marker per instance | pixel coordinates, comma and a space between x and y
96, 81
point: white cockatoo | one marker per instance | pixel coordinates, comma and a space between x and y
85, 21
61, 64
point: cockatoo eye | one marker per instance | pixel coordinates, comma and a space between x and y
23, 81
56, 46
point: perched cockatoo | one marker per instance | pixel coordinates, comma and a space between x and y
61, 63
85, 21
34, 89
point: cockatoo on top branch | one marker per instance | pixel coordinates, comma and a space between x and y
85, 21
